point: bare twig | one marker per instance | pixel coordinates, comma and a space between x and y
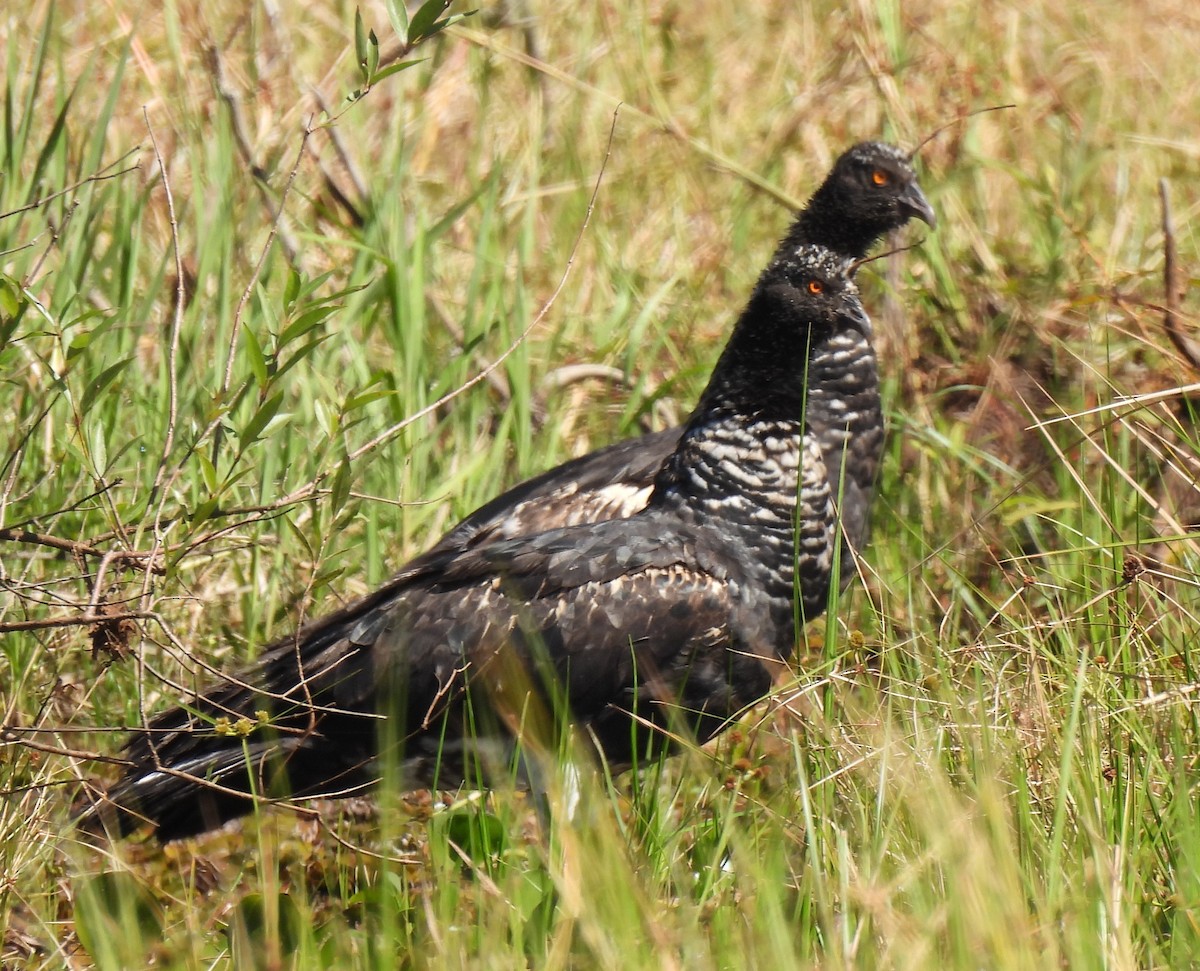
854, 267
9, 736
134, 559
55, 232
950, 124
411, 860
262, 259
40, 517
1172, 284
497, 382
79, 620
100, 801
214, 427
339, 148
668, 125
176, 325
234, 103
100, 175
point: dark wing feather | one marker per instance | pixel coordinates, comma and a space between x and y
622, 615
609, 483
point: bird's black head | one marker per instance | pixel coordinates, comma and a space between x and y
811, 291
871, 190
804, 300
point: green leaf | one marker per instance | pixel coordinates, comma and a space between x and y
479, 834
354, 402
12, 307
341, 486
299, 535
100, 383
85, 338
99, 448
325, 577
292, 290
255, 357
262, 418
372, 55
325, 418
300, 355
309, 287
398, 14
260, 925
304, 323
423, 20
360, 46
396, 68
11, 302
208, 471
448, 22
116, 919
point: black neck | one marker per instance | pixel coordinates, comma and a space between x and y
763, 371
824, 221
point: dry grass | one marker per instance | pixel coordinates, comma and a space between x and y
990, 756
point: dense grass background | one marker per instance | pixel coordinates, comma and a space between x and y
986, 760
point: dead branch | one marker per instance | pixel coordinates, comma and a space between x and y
1172, 285
132, 559
79, 620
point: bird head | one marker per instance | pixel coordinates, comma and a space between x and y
814, 286
874, 182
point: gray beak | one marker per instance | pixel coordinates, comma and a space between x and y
852, 309
914, 204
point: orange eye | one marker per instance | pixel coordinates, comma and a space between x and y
816, 286
880, 177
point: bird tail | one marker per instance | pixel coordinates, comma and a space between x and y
297, 724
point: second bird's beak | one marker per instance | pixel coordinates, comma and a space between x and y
852, 309
913, 202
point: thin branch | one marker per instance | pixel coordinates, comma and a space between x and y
410, 860
55, 232
100, 175
80, 620
335, 139
950, 124
176, 325
135, 559
227, 379
671, 126
8, 737
237, 121
78, 503
498, 382
262, 260
1172, 284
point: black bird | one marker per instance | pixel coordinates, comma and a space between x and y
675, 618
870, 191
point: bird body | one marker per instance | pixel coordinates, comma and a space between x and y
676, 616
870, 191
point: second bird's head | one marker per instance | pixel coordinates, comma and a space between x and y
812, 286
874, 183
805, 308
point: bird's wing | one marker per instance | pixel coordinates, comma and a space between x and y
616, 617
612, 616
610, 483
